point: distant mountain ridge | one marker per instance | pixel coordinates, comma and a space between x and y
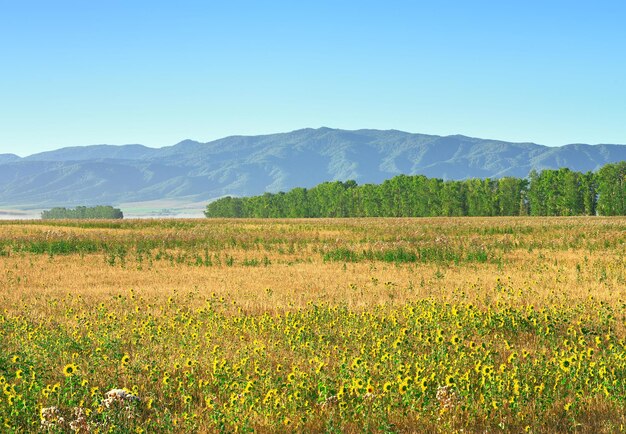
250, 165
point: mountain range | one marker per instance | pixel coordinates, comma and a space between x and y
191, 171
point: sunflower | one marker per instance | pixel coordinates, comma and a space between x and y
356, 363
403, 387
565, 364
19, 373
424, 384
387, 387
358, 383
70, 369
450, 380
125, 359
341, 392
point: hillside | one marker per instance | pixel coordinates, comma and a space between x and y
248, 165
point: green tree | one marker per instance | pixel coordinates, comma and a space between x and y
612, 189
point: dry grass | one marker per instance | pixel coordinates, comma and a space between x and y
165, 292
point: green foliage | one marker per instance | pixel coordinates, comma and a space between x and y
561, 192
612, 189
83, 212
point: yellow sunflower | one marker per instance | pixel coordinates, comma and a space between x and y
70, 369
387, 387
566, 364
125, 359
450, 380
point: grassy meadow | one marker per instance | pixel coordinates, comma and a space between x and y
327, 325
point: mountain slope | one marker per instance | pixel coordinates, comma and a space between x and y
249, 165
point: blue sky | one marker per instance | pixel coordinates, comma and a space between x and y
157, 72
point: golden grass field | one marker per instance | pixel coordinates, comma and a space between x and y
330, 325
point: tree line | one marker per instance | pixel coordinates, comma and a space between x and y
560, 192
83, 212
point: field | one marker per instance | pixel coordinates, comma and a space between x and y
338, 325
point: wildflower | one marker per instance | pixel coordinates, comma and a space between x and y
18, 373
403, 387
125, 359
70, 370
424, 384
565, 364
447, 397
356, 363
50, 417
539, 389
450, 381
118, 397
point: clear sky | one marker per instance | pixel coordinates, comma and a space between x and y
157, 72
